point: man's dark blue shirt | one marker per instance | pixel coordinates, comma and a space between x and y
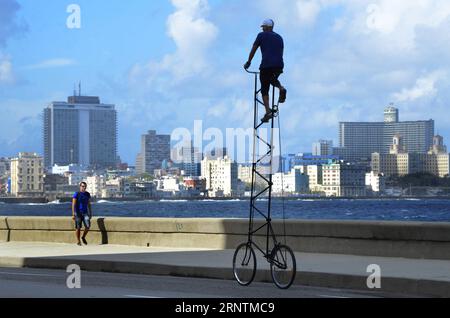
81, 208
272, 47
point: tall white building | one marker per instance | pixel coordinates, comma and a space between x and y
221, 176
95, 185
315, 174
80, 131
245, 173
375, 182
344, 180
27, 175
169, 185
289, 183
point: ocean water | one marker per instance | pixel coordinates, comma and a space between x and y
423, 210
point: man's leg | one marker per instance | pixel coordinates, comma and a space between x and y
78, 234
78, 229
276, 83
267, 103
87, 226
86, 231
265, 77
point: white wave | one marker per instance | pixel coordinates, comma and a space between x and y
174, 201
306, 200
55, 202
413, 199
104, 201
214, 200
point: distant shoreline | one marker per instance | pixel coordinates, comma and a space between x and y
66, 200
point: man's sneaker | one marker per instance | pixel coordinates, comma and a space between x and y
283, 93
79, 243
84, 241
267, 117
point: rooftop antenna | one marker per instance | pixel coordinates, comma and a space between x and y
79, 88
74, 90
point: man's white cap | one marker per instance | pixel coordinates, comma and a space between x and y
268, 23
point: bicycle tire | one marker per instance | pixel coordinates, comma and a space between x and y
283, 266
244, 264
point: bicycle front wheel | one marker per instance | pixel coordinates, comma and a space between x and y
283, 266
244, 264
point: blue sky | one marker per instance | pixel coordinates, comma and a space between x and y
166, 63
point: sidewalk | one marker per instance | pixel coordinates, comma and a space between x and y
398, 275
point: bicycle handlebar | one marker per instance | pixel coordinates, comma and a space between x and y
251, 72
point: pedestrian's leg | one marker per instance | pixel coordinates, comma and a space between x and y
87, 226
78, 234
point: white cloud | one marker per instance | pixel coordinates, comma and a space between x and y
6, 71
193, 35
307, 11
424, 87
395, 23
381, 24
51, 63
218, 110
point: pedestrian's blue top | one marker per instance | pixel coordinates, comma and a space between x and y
81, 207
272, 47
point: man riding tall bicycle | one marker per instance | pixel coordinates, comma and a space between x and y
272, 65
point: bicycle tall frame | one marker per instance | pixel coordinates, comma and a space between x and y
259, 162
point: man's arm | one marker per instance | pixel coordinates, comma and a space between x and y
74, 201
252, 53
251, 56
90, 209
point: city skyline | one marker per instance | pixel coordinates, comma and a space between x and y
344, 63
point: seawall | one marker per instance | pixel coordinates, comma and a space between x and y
390, 239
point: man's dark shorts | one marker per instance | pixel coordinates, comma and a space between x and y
269, 76
82, 219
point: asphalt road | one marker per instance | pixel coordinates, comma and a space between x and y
43, 283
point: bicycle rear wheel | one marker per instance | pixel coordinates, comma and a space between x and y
244, 264
283, 266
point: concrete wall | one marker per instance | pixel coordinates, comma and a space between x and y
3, 229
396, 239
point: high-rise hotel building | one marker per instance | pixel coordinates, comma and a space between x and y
80, 131
358, 140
